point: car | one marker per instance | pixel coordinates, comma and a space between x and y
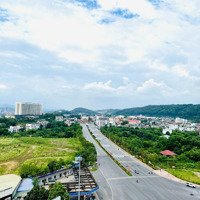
190, 185
136, 172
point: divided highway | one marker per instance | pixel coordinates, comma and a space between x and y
115, 184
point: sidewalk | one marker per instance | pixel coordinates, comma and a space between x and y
165, 174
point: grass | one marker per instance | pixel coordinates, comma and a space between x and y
14, 152
187, 175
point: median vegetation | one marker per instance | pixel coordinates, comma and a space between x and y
146, 145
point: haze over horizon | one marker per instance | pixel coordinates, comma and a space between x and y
100, 54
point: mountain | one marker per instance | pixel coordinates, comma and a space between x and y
108, 111
186, 111
7, 109
83, 111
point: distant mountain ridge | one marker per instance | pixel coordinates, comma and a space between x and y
5, 109
81, 110
108, 111
186, 111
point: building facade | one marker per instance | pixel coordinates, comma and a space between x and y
28, 108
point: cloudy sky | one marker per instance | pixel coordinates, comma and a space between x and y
99, 53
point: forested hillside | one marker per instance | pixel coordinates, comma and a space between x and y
187, 111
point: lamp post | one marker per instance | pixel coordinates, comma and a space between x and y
79, 159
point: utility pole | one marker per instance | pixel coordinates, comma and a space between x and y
79, 159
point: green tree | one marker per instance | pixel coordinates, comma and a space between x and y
37, 193
58, 190
29, 170
53, 166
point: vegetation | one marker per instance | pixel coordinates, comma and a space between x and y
34, 152
32, 155
58, 190
37, 193
186, 111
146, 144
40, 193
83, 111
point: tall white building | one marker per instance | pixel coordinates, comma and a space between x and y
28, 108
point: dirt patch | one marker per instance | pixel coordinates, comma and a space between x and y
197, 174
9, 166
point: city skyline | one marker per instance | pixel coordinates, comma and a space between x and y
99, 54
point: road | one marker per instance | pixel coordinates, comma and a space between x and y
115, 184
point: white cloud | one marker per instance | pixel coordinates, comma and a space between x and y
156, 51
151, 86
99, 86
3, 87
142, 7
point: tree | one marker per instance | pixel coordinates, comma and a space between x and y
37, 193
124, 123
58, 190
53, 166
29, 170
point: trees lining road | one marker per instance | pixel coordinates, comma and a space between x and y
115, 184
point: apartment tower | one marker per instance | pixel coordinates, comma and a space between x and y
28, 108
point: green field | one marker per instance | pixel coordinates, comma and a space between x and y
35, 151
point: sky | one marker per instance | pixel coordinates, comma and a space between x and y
99, 53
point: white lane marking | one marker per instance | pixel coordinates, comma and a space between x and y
131, 177
107, 182
129, 162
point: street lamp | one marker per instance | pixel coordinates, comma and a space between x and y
79, 159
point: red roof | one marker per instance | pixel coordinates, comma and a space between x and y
134, 121
167, 153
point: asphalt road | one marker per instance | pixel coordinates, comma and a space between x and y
115, 184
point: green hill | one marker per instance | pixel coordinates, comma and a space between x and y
186, 111
83, 111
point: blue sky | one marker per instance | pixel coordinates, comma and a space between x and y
99, 53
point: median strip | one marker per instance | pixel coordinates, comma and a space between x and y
116, 161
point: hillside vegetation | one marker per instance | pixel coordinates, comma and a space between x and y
83, 111
186, 111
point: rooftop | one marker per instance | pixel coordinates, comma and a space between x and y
8, 183
167, 153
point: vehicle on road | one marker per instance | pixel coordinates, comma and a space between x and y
190, 185
136, 172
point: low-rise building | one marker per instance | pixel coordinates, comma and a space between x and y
59, 118
167, 153
15, 129
42, 122
102, 121
8, 186
32, 126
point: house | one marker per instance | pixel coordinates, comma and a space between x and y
8, 186
25, 186
134, 122
59, 118
15, 129
167, 153
32, 126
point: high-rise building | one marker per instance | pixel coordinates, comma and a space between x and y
28, 108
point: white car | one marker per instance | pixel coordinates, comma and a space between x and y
190, 185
